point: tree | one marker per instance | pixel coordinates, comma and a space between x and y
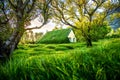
22, 11
83, 14
5, 30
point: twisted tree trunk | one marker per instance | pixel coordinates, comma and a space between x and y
10, 45
22, 10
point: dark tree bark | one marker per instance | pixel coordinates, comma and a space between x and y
87, 39
10, 45
89, 42
22, 10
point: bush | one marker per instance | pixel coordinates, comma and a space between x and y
99, 32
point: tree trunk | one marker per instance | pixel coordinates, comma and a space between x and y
21, 9
88, 41
9, 46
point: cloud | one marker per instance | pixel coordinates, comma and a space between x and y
48, 27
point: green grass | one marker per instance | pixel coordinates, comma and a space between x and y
56, 36
71, 61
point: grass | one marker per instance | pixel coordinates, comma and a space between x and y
64, 62
56, 37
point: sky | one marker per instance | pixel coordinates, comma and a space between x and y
48, 27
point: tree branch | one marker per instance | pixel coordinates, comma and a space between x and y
35, 27
32, 6
62, 17
3, 9
25, 3
45, 14
98, 4
14, 6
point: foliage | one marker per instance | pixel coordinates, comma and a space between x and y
5, 29
99, 32
56, 36
84, 15
30, 37
114, 34
100, 62
5, 32
78, 35
114, 19
19, 18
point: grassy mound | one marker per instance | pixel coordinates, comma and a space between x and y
100, 62
57, 36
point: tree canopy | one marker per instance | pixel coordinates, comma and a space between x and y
83, 15
18, 14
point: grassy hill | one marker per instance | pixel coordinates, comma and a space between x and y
64, 62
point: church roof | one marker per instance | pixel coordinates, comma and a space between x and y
56, 36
